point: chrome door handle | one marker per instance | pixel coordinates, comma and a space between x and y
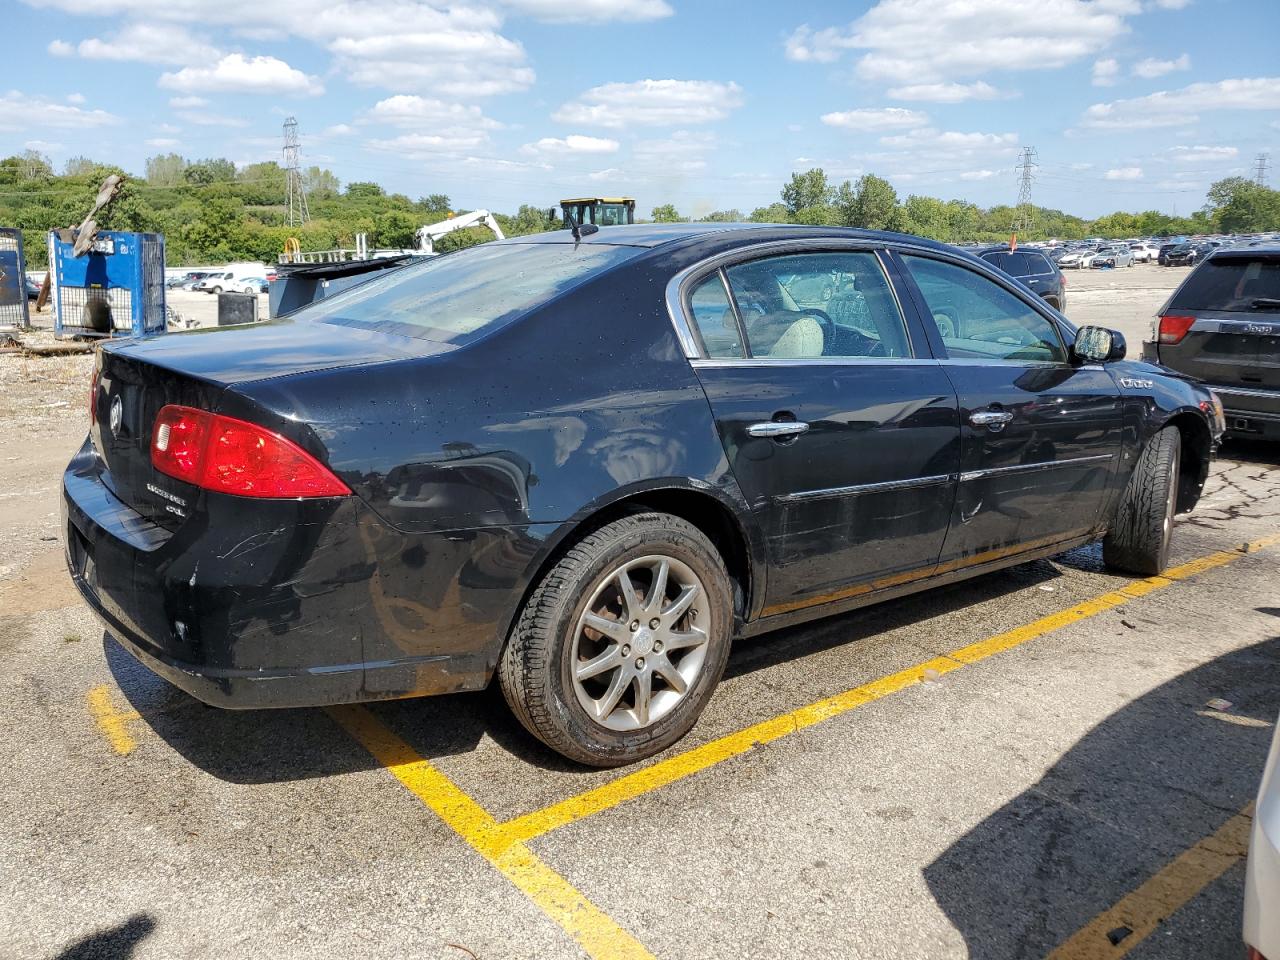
993, 419
777, 428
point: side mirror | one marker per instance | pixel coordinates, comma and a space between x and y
1098, 344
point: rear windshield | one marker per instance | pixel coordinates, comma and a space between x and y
1231, 283
1018, 264
461, 296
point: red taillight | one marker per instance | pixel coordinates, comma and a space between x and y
1173, 328
233, 456
93, 399
1063, 278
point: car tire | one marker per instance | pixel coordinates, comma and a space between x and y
1138, 541
215, 289
541, 668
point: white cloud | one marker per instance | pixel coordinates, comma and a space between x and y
1202, 154
422, 146
60, 48
592, 11
187, 103
236, 73
43, 146
888, 118
1170, 108
927, 41
683, 152
338, 130
1106, 72
951, 140
1123, 173
574, 143
410, 111
202, 118
75, 98
405, 45
610, 174
23, 113
1151, 67
977, 174
162, 142
147, 42
947, 92
652, 103
1171, 4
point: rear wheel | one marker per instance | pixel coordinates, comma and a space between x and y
216, 290
1139, 539
619, 647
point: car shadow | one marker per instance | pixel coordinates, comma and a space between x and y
1148, 782
267, 746
112, 943
1246, 450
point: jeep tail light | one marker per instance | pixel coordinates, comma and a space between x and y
1173, 327
233, 456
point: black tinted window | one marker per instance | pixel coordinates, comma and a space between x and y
1231, 284
1019, 263
458, 297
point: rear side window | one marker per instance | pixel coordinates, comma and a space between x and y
1019, 263
461, 296
1231, 283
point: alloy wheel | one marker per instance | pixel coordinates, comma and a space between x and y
640, 643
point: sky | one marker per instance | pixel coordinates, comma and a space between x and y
707, 104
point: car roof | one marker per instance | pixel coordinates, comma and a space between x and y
1004, 248
1267, 248
661, 234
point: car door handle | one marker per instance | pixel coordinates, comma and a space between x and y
777, 428
992, 419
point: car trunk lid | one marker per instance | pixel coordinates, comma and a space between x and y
136, 378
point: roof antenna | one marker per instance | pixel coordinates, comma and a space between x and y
585, 230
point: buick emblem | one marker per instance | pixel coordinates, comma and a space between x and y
117, 415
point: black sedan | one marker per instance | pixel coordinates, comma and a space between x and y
586, 466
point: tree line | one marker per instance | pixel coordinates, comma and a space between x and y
212, 211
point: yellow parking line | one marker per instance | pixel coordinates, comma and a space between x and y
1145, 908
632, 785
112, 721
598, 934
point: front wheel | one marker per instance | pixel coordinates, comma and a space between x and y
1138, 541
216, 290
619, 647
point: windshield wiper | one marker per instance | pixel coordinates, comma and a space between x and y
1265, 303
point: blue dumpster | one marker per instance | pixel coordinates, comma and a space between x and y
114, 290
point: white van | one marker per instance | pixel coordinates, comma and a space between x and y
234, 278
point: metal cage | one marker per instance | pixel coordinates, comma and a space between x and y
116, 289
13, 281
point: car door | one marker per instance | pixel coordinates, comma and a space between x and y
840, 428
1040, 434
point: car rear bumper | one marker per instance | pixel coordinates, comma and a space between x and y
324, 604
1250, 412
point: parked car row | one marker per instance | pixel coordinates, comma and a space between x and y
253, 279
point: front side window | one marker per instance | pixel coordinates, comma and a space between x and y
810, 306
978, 319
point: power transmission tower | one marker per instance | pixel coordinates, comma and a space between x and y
1024, 216
298, 213
1260, 171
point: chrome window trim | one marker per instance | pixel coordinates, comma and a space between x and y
676, 286
887, 486
700, 363
1032, 467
